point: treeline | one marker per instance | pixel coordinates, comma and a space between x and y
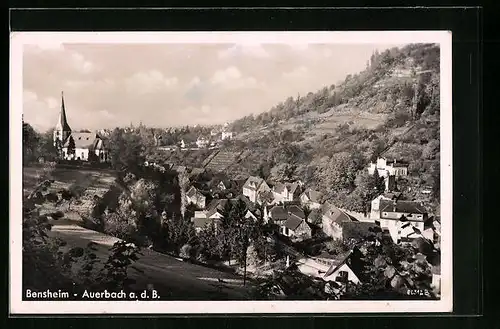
37, 145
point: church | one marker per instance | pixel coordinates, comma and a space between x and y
84, 146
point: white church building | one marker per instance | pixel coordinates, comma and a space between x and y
85, 144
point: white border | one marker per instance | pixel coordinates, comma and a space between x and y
18, 40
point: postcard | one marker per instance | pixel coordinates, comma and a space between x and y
230, 172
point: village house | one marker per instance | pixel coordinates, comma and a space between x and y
194, 196
202, 219
295, 228
344, 270
394, 213
286, 192
386, 167
279, 214
84, 146
311, 199
202, 142
227, 135
253, 186
332, 219
375, 204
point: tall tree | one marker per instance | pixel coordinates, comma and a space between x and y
243, 231
71, 146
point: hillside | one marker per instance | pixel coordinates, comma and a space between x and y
326, 138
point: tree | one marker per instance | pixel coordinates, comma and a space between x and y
30, 142
71, 146
243, 231
126, 151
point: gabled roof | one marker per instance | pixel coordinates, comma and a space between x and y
292, 187
334, 214
296, 210
314, 216
192, 192
253, 183
312, 195
293, 222
226, 182
84, 140
278, 213
337, 264
200, 222
410, 207
280, 187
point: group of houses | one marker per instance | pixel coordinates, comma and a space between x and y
296, 212
212, 141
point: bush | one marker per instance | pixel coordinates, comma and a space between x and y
186, 251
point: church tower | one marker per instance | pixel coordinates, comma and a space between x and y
62, 129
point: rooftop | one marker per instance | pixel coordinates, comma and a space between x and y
407, 207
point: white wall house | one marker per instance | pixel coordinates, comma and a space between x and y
253, 186
394, 214
387, 167
227, 135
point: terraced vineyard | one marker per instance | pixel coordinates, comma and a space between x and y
222, 160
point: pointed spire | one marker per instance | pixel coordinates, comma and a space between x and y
62, 123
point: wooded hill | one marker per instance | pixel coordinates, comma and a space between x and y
326, 138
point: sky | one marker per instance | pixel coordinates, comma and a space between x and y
164, 85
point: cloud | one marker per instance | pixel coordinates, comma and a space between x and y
251, 50
41, 113
52, 102
223, 76
298, 72
81, 64
232, 78
150, 82
99, 85
106, 114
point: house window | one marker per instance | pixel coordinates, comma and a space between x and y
342, 277
83, 155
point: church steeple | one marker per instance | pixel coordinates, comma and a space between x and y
62, 123
62, 129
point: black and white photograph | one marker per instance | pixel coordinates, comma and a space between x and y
231, 172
